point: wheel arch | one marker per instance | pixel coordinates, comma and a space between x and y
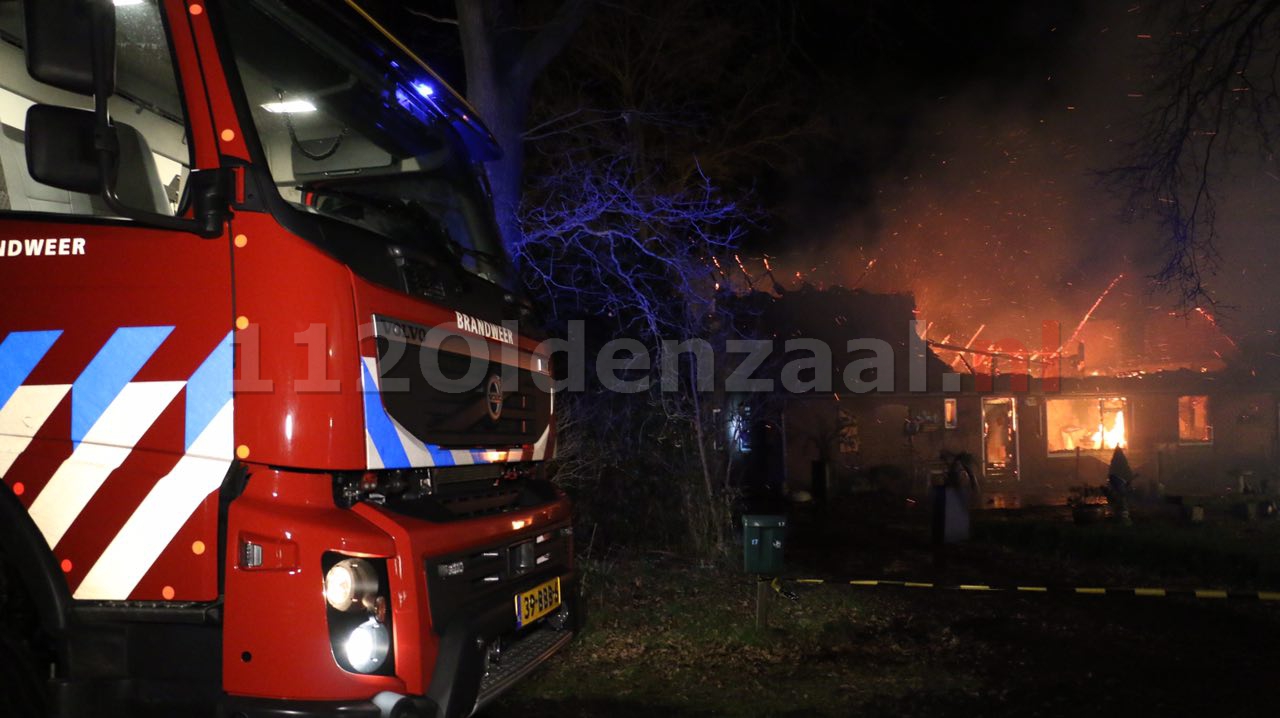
23, 546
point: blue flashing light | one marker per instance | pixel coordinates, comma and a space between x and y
425, 111
424, 89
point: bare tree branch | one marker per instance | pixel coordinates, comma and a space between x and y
1215, 90
433, 18
639, 193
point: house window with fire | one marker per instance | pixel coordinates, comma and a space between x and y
1086, 424
1193, 420
949, 414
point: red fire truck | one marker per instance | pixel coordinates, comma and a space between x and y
272, 410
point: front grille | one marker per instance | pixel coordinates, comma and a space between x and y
497, 500
459, 475
454, 498
446, 411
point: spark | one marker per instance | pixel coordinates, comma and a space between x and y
1089, 313
1214, 323
870, 265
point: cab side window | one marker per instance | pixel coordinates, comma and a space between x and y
147, 108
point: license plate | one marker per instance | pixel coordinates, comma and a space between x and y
537, 602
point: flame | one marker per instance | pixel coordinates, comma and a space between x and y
1105, 438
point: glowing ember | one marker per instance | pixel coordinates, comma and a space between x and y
870, 265
1213, 322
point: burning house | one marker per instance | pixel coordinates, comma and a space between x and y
1190, 412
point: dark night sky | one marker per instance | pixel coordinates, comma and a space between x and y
962, 156
984, 199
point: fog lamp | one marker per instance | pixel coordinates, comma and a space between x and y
367, 646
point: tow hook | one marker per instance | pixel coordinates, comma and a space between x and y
394, 705
492, 653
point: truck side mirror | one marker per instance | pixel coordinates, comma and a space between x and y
60, 42
61, 151
70, 149
71, 44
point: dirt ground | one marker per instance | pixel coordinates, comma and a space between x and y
670, 638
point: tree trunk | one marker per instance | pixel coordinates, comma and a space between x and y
502, 63
501, 107
714, 518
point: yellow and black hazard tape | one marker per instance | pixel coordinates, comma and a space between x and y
1141, 592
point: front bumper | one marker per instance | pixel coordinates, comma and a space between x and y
242, 707
464, 680
520, 660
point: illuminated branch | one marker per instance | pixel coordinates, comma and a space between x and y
433, 18
642, 158
605, 243
1216, 77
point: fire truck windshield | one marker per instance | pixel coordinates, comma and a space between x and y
353, 141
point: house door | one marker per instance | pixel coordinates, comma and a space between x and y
1000, 438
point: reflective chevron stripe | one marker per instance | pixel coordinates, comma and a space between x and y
107, 374
388, 445
24, 409
177, 495
102, 450
385, 442
162, 513
208, 391
19, 354
22, 416
110, 412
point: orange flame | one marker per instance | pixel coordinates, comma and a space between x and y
1105, 438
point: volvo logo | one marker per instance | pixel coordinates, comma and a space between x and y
493, 396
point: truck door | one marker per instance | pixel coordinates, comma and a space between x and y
115, 337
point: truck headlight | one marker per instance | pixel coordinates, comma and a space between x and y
367, 646
358, 611
351, 584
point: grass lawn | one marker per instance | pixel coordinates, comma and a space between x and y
669, 639
670, 635
1226, 551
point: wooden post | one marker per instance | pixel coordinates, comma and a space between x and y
762, 602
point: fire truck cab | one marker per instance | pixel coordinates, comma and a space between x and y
273, 409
